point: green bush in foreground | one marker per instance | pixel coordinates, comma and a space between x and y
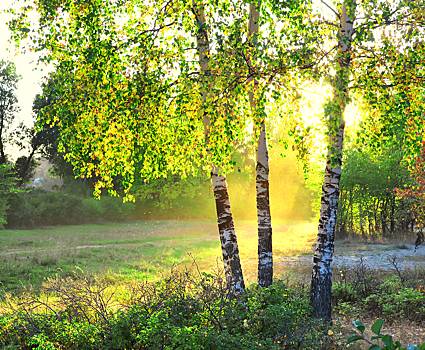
180, 312
379, 340
404, 302
390, 297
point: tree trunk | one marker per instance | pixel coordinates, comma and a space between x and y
226, 229
351, 212
3, 158
392, 215
265, 255
370, 221
343, 216
27, 167
361, 216
321, 281
384, 213
375, 215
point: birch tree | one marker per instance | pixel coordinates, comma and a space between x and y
226, 227
261, 64
396, 100
131, 103
358, 24
321, 283
265, 255
285, 50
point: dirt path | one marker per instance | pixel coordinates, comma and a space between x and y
375, 256
19, 252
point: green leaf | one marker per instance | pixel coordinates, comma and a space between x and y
359, 325
387, 340
377, 326
353, 338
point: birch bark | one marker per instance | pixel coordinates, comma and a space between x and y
226, 228
265, 255
321, 281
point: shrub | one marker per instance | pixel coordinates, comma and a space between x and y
114, 209
389, 296
391, 284
406, 303
183, 311
344, 292
361, 277
37, 208
379, 340
393, 301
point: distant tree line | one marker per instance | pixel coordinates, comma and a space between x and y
369, 203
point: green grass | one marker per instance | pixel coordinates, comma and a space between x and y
136, 250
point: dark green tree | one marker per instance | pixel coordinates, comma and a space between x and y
8, 102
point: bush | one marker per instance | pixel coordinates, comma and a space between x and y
391, 296
406, 303
37, 208
182, 311
379, 340
344, 292
393, 300
360, 277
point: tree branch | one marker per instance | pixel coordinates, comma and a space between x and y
331, 8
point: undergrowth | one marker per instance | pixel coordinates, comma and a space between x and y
183, 311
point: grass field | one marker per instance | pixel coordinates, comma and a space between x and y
135, 250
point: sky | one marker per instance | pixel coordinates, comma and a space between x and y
26, 66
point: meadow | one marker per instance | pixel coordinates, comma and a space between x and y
141, 250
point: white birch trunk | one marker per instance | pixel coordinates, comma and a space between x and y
265, 255
226, 228
321, 282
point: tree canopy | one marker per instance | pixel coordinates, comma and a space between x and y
8, 102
